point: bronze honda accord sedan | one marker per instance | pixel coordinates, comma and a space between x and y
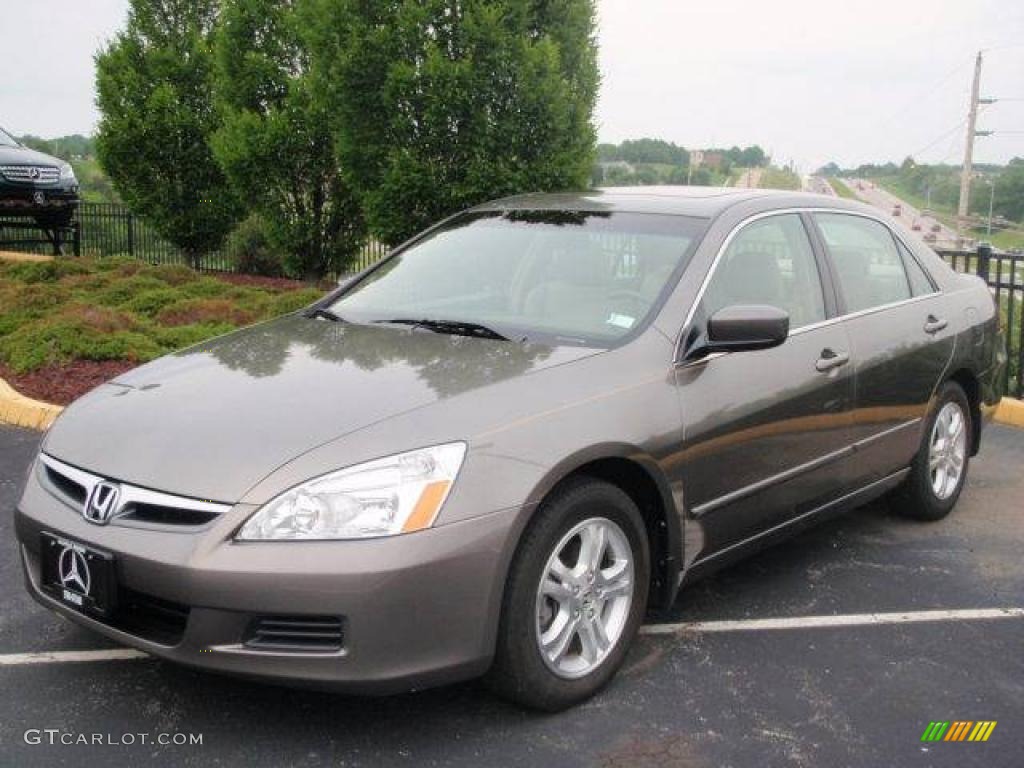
497, 449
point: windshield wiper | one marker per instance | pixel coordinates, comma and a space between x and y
454, 327
325, 314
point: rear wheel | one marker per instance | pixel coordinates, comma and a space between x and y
939, 470
576, 594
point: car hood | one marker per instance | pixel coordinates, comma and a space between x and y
26, 156
211, 421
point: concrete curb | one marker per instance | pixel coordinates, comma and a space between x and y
1010, 412
23, 411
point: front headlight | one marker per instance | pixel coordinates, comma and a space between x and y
67, 173
384, 497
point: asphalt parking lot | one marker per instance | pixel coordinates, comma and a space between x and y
742, 696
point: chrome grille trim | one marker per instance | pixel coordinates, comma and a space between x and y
47, 174
130, 495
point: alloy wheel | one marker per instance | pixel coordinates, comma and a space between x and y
584, 597
947, 450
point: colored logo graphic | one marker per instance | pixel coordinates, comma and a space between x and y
958, 730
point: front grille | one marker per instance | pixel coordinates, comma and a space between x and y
154, 513
134, 504
74, 492
295, 634
31, 174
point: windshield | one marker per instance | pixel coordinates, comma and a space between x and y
560, 277
6, 140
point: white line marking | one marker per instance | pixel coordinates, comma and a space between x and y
60, 657
848, 620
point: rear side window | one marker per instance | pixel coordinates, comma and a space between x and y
869, 267
769, 261
919, 282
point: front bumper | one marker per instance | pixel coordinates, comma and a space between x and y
17, 199
417, 610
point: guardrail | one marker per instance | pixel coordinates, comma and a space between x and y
1004, 273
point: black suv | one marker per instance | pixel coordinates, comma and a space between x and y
36, 185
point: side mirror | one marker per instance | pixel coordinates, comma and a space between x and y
746, 327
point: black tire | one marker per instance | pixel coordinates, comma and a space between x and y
519, 672
916, 498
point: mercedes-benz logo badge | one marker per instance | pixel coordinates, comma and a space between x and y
74, 570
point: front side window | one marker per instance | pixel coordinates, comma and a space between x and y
573, 277
769, 261
870, 270
6, 140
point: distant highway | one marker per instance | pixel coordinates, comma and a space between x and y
885, 201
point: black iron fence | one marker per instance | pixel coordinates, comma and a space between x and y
111, 229
1004, 273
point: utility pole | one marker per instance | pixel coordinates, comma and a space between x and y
972, 123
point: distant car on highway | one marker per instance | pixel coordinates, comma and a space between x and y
916, 226
936, 227
930, 237
897, 209
36, 185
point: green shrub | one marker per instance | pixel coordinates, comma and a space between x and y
121, 292
204, 311
183, 336
59, 340
45, 271
172, 274
249, 250
150, 303
293, 300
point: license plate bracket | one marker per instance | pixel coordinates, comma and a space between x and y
78, 575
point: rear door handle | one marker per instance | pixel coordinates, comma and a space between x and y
830, 359
934, 324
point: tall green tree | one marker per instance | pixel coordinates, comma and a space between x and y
153, 92
275, 143
440, 104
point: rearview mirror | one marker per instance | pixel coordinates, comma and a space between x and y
746, 327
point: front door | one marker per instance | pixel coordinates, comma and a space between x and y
767, 433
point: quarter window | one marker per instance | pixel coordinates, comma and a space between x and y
869, 267
919, 282
769, 261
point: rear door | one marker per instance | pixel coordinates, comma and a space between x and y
767, 433
900, 334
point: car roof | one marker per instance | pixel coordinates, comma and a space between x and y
703, 202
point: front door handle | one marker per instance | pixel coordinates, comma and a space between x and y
831, 359
934, 324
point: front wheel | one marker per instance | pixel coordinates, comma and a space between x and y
576, 594
939, 471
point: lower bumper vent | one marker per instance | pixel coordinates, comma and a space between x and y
295, 634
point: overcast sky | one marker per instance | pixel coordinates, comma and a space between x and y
810, 80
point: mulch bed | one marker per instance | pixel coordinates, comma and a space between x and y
61, 384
